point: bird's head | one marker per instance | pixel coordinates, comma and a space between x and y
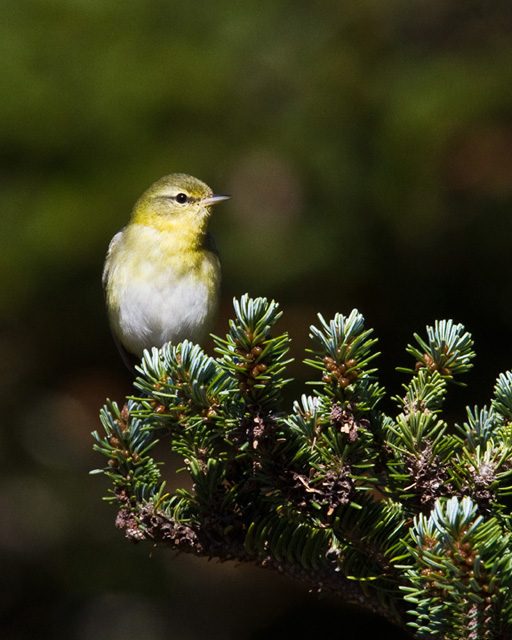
177, 201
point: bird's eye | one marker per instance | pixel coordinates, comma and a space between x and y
181, 198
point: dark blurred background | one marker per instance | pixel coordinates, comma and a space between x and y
368, 149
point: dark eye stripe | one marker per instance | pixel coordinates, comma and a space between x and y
190, 199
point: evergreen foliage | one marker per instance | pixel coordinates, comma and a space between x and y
402, 514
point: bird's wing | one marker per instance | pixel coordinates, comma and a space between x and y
106, 269
210, 244
128, 358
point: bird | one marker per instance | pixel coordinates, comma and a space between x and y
162, 273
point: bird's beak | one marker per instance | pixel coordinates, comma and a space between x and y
214, 200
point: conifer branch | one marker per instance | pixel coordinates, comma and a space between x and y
403, 514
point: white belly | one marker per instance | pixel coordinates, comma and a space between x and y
153, 313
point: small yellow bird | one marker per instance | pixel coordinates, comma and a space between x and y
162, 272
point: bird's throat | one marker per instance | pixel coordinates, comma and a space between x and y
181, 248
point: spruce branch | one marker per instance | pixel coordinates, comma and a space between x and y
448, 349
502, 401
461, 581
402, 513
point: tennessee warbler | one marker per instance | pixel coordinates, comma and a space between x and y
162, 272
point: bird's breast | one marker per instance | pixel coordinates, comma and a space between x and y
161, 291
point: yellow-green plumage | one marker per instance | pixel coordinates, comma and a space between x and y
162, 273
